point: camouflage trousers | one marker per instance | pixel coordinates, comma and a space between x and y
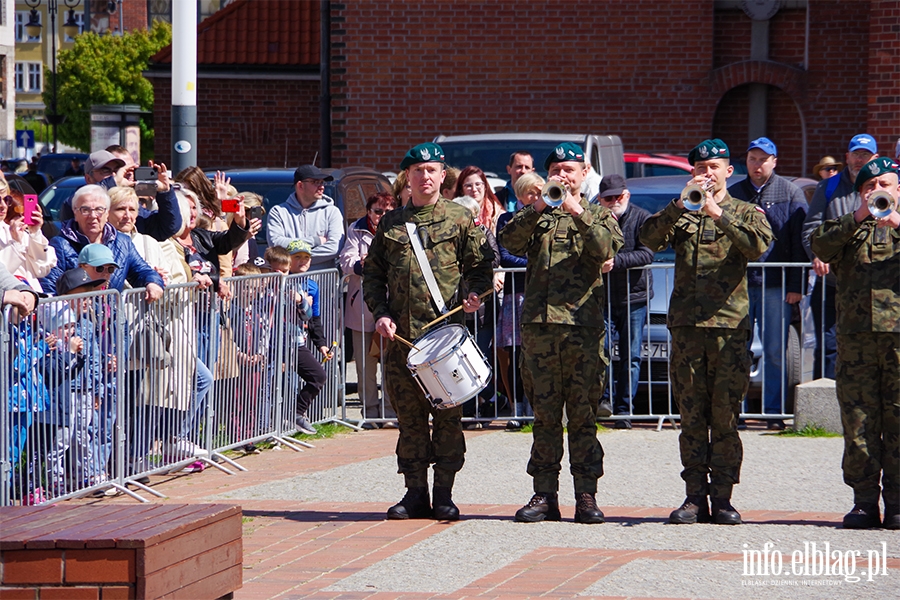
710, 373
868, 390
417, 447
562, 367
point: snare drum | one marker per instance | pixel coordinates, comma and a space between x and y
449, 366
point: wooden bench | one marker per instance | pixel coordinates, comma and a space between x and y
123, 551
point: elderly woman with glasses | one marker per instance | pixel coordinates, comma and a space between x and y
91, 226
23, 248
357, 316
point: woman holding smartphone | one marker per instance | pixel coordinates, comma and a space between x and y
23, 248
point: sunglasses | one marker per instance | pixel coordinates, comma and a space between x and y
106, 269
378, 211
8, 200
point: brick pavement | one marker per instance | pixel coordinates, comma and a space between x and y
295, 549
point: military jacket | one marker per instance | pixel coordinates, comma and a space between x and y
456, 248
711, 259
866, 261
563, 281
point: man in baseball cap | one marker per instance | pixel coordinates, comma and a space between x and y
100, 168
310, 216
98, 261
833, 197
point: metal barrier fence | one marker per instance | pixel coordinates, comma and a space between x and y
104, 389
783, 339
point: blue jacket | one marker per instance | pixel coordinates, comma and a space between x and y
132, 267
785, 207
27, 389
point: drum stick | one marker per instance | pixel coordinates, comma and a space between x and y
457, 309
408, 343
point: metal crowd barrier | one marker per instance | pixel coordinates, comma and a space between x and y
103, 389
653, 400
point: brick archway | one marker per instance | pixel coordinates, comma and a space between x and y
790, 79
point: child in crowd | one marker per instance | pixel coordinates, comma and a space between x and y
27, 396
252, 313
74, 373
306, 323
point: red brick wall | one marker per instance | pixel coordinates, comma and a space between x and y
245, 123
405, 72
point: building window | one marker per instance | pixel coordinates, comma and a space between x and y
159, 10
20, 77
79, 18
35, 83
22, 17
29, 77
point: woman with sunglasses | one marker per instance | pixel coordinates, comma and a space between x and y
23, 248
356, 314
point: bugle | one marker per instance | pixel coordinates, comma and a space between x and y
881, 204
553, 193
694, 196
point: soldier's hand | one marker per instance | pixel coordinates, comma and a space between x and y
820, 267
608, 265
892, 220
472, 303
386, 327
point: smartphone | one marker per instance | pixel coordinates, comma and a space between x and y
255, 212
145, 179
146, 174
232, 205
31, 206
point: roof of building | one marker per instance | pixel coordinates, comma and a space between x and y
274, 33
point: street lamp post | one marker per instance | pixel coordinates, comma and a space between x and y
70, 28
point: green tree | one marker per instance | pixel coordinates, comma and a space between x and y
105, 70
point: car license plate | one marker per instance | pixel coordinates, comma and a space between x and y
659, 350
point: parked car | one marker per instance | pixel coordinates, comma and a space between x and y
655, 165
491, 151
57, 166
653, 194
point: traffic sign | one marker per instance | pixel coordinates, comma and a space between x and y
25, 138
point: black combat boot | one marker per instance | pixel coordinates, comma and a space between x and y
415, 505
444, 509
694, 509
586, 510
891, 516
865, 515
723, 513
541, 507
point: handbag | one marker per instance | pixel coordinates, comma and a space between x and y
151, 344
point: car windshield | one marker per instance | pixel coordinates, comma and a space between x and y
493, 156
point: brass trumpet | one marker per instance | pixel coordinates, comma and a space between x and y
694, 196
553, 193
881, 204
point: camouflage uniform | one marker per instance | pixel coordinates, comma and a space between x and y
563, 359
709, 322
393, 286
866, 262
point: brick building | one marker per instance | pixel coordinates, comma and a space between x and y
808, 74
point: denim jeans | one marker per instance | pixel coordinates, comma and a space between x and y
627, 370
772, 317
190, 426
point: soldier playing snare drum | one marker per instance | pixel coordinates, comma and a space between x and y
396, 292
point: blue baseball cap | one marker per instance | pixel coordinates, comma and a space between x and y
96, 255
863, 141
764, 144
